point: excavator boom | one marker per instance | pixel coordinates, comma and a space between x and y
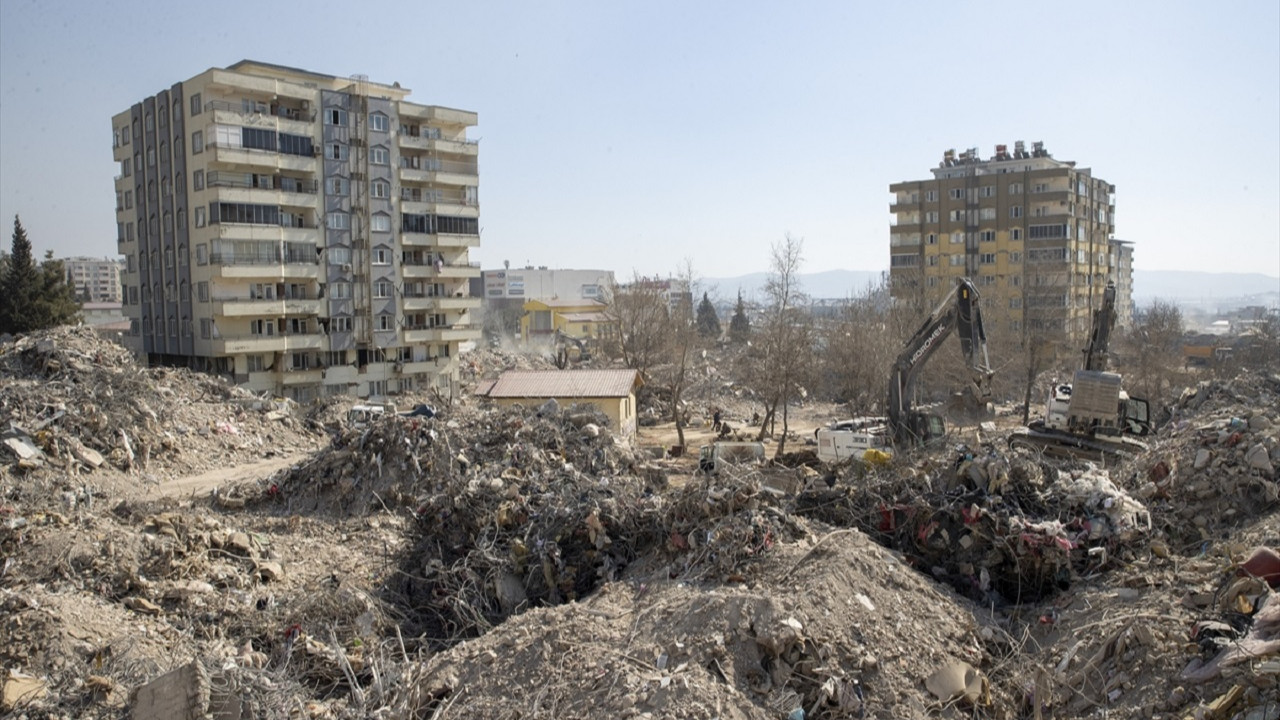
958, 313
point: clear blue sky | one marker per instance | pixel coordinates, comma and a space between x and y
629, 136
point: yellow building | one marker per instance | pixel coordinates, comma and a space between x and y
613, 392
301, 233
580, 319
1034, 233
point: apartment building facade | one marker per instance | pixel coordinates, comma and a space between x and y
302, 233
96, 280
1033, 232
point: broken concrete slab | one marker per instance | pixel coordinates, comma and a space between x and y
19, 689
23, 448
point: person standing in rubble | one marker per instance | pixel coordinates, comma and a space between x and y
715, 421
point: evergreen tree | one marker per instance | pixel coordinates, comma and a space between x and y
708, 321
19, 283
35, 296
739, 326
55, 302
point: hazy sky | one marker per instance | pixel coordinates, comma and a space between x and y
629, 136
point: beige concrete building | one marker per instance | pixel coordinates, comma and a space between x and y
305, 234
96, 280
1034, 233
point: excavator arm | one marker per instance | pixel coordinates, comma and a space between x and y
1104, 319
958, 313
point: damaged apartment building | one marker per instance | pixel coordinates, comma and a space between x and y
1036, 235
305, 234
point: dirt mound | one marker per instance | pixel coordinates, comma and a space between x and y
832, 627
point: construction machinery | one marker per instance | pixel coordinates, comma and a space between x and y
570, 350
1091, 417
905, 425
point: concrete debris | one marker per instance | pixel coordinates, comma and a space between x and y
19, 689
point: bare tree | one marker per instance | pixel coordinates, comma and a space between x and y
785, 334
683, 336
640, 312
858, 349
1154, 352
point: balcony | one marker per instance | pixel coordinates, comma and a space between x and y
439, 303
448, 270
443, 240
257, 307
458, 333
454, 205
253, 157
302, 376
460, 146
267, 116
262, 266
238, 344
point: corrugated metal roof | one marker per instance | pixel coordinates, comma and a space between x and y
564, 384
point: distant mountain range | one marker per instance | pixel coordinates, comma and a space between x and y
1186, 287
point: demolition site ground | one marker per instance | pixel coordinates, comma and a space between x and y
174, 547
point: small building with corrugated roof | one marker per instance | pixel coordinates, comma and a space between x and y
613, 392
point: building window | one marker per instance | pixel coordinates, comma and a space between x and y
956, 260
197, 142
379, 156
202, 291
195, 104
957, 238
380, 223
931, 216
931, 196
337, 186
987, 259
933, 239
381, 290
151, 157
933, 261
987, 213
338, 221
987, 191
336, 151
128, 199
381, 256
386, 322
340, 291
1015, 188
987, 236
1015, 258
379, 189
335, 116
904, 260
200, 217
1015, 234
1015, 211
1040, 188
1015, 280
378, 121
197, 180
340, 256
956, 193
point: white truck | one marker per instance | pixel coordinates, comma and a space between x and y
853, 438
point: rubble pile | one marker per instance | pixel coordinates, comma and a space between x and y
998, 529
72, 402
492, 362
1215, 464
830, 627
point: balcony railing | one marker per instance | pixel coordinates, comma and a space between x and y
219, 258
262, 109
238, 180
438, 197
431, 164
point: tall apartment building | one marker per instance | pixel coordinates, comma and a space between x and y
303, 233
1035, 234
96, 280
